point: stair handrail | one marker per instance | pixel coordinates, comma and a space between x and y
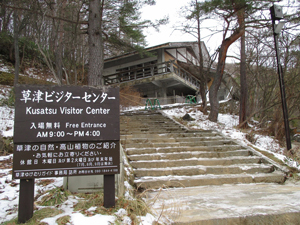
155, 104
191, 99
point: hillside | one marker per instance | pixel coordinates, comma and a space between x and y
81, 209
31, 75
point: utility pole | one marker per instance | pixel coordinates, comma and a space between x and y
277, 15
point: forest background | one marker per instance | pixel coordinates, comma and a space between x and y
71, 39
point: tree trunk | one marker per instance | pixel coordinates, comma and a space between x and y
214, 88
244, 87
243, 80
202, 75
16, 47
96, 57
59, 47
213, 91
58, 59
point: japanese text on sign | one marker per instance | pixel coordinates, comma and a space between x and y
64, 96
65, 131
69, 113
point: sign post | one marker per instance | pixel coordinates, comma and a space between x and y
109, 190
65, 131
26, 200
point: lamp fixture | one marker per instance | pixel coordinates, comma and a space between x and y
279, 26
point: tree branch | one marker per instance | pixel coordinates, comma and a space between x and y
48, 16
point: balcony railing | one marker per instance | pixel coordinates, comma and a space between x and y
149, 71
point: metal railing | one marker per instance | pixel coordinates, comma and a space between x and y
191, 99
152, 103
149, 71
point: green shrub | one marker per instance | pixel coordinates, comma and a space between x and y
27, 48
6, 43
7, 78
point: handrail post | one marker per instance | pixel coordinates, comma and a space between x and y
155, 104
148, 101
191, 99
172, 67
156, 101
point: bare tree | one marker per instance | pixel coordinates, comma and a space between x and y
60, 32
193, 14
96, 57
243, 77
230, 12
19, 21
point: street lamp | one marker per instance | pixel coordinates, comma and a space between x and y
277, 15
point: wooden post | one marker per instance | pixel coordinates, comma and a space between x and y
26, 200
109, 191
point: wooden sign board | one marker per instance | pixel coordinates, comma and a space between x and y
65, 131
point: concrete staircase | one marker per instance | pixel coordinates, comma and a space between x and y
164, 154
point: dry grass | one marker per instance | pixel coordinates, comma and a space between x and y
294, 154
6, 146
134, 208
54, 197
37, 217
63, 220
45, 182
130, 97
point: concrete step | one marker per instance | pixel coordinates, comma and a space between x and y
203, 133
147, 122
200, 180
164, 154
150, 131
216, 148
167, 139
173, 144
149, 125
236, 204
199, 139
185, 134
197, 170
150, 122
195, 161
147, 140
186, 155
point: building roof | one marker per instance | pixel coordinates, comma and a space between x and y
161, 46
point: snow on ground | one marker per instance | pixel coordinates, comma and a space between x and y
30, 72
6, 113
4, 68
37, 74
9, 189
6, 121
9, 195
227, 126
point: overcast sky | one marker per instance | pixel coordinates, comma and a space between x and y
171, 8
166, 33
